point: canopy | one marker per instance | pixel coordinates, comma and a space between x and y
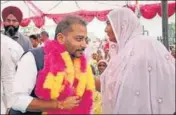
38, 11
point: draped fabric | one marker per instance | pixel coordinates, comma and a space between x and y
39, 21
25, 22
140, 77
148, 11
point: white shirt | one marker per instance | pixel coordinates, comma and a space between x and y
11, 51
25, 80
15, 48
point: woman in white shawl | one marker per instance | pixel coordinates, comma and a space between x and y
140, 78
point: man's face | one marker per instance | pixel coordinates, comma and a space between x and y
11, 25
43, 37
34, 43
75, 40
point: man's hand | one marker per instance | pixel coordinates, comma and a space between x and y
38, 105
69, 103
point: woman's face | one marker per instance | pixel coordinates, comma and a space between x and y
110, 32
101, 67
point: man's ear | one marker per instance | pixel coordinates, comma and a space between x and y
61, 38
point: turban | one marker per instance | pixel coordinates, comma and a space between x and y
14, 11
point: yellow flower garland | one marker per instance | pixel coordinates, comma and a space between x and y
85, 80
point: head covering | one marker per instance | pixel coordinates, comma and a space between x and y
140, 78
14, 11
102, 60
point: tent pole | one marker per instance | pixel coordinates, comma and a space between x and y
165, 23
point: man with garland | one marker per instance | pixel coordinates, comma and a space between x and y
56, 79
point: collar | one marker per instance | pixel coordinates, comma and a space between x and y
15, 37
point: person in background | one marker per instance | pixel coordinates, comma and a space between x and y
88, 51
107, 56
173, 53
44, 36
35, 41
102, 64
12, 17
39, 38
11, 52
99, 55
93, 63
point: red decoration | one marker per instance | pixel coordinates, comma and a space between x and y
171, 9
87, 15
55, 17
132, 7
148, 11
38, 21
102, 15
25, 22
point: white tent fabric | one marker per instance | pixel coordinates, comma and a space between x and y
55, 7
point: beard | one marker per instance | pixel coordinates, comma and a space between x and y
74, 54
11, 30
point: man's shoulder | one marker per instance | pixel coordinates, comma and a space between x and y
24, 37
12, 44
37, 51
9, 41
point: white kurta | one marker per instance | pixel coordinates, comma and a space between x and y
11, 52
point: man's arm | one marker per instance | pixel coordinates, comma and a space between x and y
7, 72
24, 83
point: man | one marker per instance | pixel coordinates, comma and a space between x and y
54, 79
10, 55
35, 41
44, 36
12, 17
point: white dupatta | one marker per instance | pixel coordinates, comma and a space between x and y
140, 78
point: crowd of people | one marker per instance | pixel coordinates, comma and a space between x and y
129, 74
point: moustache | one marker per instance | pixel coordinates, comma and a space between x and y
83, 49
11, 30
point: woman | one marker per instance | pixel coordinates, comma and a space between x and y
102, 64
140, 78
